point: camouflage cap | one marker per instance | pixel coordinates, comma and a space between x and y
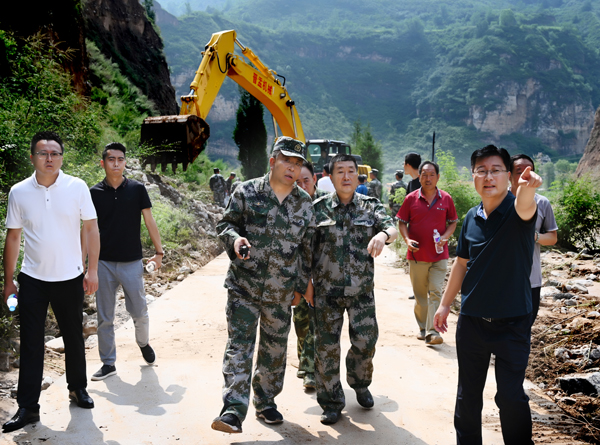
290, 147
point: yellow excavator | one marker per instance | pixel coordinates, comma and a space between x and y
179, 139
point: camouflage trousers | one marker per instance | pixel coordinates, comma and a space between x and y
305, 331
219, 198
329, 318
244, 315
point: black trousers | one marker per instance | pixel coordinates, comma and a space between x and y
509, 340
66, 298
535, 300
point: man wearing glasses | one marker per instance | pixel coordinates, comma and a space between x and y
423, 211
492, 268
48, 207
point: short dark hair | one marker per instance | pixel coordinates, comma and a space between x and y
424, 163
488, 151
342, 157
113, 146
310, 167
46, 136
326, 169
520, 156
216, 170
399, 174
413, 159
362, 178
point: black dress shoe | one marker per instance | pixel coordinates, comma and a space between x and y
22, 418
82, 398
364, 398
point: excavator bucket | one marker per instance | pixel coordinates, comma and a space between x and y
177, 139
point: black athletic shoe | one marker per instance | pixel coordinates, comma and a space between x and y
148, 354
105, 371
270, 415
227, 423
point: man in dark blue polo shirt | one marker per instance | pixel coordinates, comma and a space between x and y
492, 268
120, 203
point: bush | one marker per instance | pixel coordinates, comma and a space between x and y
174, 224
459, 186
578, 214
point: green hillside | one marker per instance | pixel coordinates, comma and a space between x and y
409, 67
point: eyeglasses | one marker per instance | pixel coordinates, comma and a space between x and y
483, 173
45, 154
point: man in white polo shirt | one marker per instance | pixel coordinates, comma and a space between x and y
48, 207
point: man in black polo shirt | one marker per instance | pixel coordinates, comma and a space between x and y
412, 161
492, 268
120, 203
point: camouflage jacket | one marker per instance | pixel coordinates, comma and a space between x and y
278, 233
374, 188
341, 265
217, 183
395, 186
234, 185
319, 193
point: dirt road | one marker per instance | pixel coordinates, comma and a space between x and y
174, 402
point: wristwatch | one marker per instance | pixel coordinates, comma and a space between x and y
388, 236
537, 236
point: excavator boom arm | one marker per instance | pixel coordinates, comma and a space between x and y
219, 62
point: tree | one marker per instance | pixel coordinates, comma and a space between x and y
549, 174
366, 145
250, 135
507, 18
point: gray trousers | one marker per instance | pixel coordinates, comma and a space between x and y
129, 275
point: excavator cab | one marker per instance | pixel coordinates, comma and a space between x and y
322, 150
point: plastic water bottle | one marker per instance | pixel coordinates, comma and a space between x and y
436, 239
151, 267
12, 302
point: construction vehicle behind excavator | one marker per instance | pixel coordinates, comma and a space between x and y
179, 139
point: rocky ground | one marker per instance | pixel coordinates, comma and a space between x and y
565, 341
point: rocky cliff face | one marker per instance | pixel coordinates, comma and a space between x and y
526, 109
123, 33
59, 21
590, 162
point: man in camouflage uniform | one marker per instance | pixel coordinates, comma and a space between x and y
303, 316
352, 229
274, 218
218, 186
229, 182
374, 187
399, 184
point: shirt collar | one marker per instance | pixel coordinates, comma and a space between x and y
335, 202
58, 179
107, 185
264, 186
439, 193
502, 208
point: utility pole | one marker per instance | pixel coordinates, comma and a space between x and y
433, 149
